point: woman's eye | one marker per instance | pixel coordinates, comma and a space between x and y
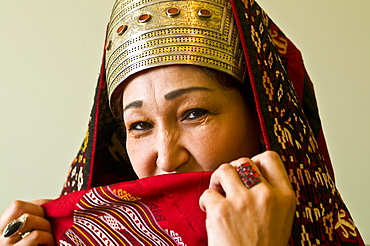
195, 113
140, 126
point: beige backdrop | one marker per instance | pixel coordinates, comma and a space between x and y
50, 53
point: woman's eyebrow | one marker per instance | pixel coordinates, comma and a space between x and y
176, 93
134, 104
169, 96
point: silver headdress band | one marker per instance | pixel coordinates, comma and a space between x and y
151, 33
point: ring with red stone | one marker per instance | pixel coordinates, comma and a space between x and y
15, 226
248, 175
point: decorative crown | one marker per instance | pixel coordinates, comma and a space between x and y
150, 33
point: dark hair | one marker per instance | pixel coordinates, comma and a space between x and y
226, 80
229, 82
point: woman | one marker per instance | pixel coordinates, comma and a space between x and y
183, 118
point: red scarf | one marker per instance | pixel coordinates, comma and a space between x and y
160, 210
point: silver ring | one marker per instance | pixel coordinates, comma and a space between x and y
248, 175
15, 226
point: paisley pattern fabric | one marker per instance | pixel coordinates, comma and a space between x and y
290, 124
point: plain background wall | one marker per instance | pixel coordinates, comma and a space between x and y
50, 53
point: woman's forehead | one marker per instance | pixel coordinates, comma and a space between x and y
163, 80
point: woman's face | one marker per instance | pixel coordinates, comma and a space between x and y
178, 119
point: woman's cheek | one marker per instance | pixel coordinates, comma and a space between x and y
139, 158
205, 147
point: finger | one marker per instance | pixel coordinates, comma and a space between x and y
228, 182
240, 161
244, 160
41, 201
248, 172
36, 223
272, 169
16, 209
36, 238
32, 223
208, 199
225, 179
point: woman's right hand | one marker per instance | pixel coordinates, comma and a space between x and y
36, 224
259, 215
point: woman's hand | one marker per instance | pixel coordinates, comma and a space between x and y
260, 215
36, 224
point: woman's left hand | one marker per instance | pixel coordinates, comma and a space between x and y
260, 215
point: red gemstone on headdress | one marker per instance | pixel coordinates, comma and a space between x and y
121, 30
173, 12
204, 13
144, 17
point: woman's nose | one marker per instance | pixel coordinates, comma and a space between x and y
171, 154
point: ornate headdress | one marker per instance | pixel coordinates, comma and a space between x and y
151, 33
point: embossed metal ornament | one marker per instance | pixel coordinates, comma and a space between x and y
163, 32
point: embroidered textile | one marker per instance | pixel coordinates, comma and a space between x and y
160, 210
